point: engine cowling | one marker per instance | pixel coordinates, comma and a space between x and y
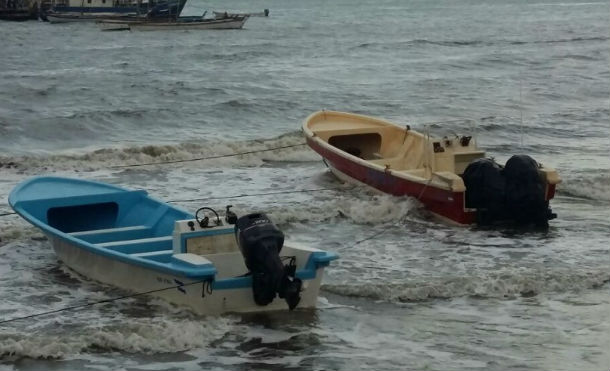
525, 201
260, 242
513, 193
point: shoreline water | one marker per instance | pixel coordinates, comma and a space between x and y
421, 294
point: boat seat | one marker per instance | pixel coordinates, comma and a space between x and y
162, 256
141, 245
113, 234
152, 253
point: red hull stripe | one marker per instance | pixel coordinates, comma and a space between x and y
443, 202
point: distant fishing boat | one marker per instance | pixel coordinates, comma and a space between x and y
17, 15
449, 175
221, 15
181, 23
72, 17
95, 10
210, 264
18, 10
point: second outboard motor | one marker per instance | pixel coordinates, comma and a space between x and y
260, 242
525, 203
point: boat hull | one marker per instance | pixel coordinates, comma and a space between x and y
180, 290
443, 203
18, 15
72, 18
231, 24
66, 14
112, 26
224, 24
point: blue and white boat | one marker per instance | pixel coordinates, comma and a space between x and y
62, 11
207, 263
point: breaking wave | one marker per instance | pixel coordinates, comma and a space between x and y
136, 335
259, 151
596, 187
355, 204
18, 230
500, 284
482, 43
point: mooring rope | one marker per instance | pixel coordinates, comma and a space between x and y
105, 301
261, 194
207, 158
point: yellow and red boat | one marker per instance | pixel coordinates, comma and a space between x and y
450, 176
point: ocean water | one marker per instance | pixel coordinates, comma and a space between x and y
408, 292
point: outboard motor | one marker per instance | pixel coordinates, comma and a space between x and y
525, 203
485, 190
513, 193
260, 242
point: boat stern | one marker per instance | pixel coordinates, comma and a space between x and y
551, 178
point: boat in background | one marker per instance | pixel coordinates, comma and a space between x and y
62, 11
17, 15
450, 176
18, 10
181, 23
210, 264
221, 15
72, 17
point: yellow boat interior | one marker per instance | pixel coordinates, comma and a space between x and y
399, 149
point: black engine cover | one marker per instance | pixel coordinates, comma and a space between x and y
525, 201
257, 236
485, 185
260, 242
513, 193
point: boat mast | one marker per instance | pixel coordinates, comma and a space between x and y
521, 106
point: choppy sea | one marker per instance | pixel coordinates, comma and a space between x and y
409, 292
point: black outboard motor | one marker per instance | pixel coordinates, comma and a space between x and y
514, 193
525, 203
260, 242
485, 190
